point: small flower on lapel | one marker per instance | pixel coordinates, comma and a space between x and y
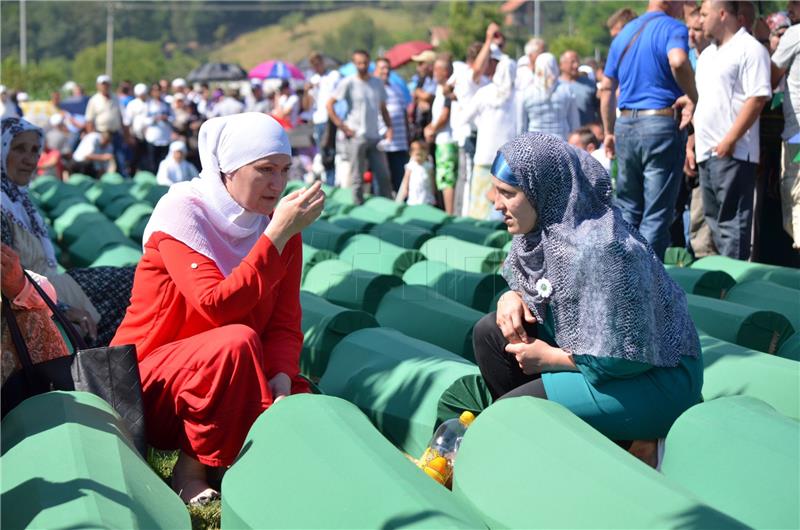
544, 288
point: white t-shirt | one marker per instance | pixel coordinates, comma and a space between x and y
726, 77
364, 99
136, 117
104, 112
291, 104
420, 187
90, 145
599, 154
496, 124
787, 57
463, 88
445, 134
323, 87
158, 132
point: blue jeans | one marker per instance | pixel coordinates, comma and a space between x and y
728, 186
650, 155
319, 131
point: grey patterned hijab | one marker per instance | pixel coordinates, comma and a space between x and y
608, 292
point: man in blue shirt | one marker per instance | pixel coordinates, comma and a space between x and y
648, 61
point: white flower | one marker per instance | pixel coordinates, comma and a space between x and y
544, 288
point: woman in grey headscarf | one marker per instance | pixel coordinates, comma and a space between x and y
592, 320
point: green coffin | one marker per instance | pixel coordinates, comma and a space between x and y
365, 213
67, 464
326, 236
422, 313
757, 329
118, 256
369, 253
731, 370
154, 194
315, 462
324, 325
425, 212
339, 283
463, 255
145, 177
312, 256
95, 241
109, 193
474, 289
530, 463
678, 257
52, 196
739, 456
475, 234
358, 226
342, 196
406, 236
76, 221
112, 177
118, 206
128, 220
382, 204
770, 296
404, 385
713, 284
742, 271
791, 348
62, 207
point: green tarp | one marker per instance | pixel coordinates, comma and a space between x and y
757, 329
52, 196
463, 255
425, 212
315, 461
742, 271
425, 224
365, 213
741, 457
531, 463
109, 193
731, 370
312, 256
401, 383
338, 282
713, 284
791, 348
132, 216
118, 256
678, 256
768, 295
369, 253
406, 236
324, 235
335, 208
422, 313
474, 289
118, 206
382, 204
475, 234
342, 196
96, 240
67, 464
324, 325
76, 221
358, 226
62, 207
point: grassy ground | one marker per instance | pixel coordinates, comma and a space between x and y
274, 42
203, 517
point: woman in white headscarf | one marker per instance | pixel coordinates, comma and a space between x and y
548, 106
491, 109
215, 311
175, 168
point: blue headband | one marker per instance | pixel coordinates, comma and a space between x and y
501, 170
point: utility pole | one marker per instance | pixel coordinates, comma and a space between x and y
23, 35
110, 39
537, 15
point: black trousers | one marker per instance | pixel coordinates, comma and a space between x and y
499, 368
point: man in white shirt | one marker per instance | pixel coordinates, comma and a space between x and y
733, 84
786, 61
320, 88
94, 154
525, 64
288, 107
366, 97
104, 114
135, 119
439, 132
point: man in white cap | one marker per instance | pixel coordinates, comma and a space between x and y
104, 114
136, 120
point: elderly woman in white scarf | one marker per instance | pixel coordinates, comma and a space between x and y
95, 298
547, 104
215, 311
175, 168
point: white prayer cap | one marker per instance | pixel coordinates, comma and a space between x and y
140, 89
103, 79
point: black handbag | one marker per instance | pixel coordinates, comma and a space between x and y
111, 373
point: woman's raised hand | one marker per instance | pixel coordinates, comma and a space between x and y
512, 312
294, 213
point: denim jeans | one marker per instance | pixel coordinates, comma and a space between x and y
650, 155
728, 186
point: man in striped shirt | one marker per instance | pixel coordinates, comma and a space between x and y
396, 102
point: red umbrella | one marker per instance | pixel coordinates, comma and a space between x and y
401, 53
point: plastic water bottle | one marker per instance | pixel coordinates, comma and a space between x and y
438, 459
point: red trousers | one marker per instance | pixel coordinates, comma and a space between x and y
202, 394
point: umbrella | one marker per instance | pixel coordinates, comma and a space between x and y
216, 72
394, 78
330, 63
400, 54
276, 70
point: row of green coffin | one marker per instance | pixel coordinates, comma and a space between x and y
524, 463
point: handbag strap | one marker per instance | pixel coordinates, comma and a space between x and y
73, 336
21, 348
633, 40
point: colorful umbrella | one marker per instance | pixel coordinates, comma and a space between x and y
274, 69
216, 72
400, 54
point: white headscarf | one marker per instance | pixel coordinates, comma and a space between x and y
545, 74
503, 82
201, 213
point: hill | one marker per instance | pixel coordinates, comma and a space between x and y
278, 42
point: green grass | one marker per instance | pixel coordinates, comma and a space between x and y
206, 517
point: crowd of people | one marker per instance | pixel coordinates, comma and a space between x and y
588, 166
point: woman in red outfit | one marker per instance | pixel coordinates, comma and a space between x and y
215, 310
